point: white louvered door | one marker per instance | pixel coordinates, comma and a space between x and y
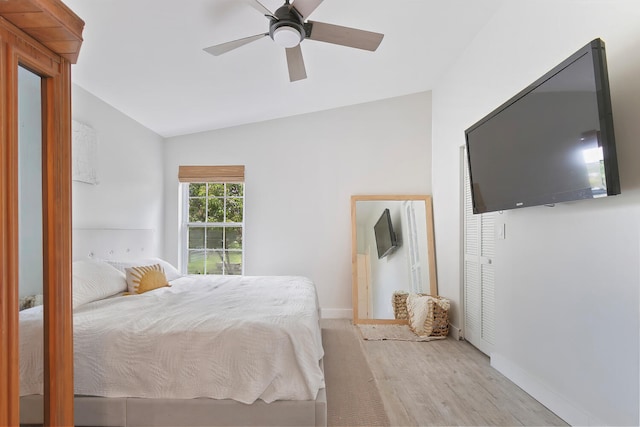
415, 265
479, 282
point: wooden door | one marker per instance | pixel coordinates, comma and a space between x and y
42, 36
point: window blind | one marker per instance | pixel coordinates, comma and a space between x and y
233, 173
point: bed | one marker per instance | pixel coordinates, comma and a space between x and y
215, 350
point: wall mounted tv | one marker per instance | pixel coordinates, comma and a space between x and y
552, 142
386, 239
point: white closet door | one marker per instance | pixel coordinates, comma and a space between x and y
479, 278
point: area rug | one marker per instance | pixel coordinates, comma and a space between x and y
392, 332
353, 398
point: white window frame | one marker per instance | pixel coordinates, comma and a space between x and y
185, 224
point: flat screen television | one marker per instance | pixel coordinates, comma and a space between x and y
386, 239
552, 142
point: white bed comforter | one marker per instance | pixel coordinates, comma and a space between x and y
224, 337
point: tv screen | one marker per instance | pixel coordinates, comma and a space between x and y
386, 241
552, 142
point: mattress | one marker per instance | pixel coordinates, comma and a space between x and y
223, 337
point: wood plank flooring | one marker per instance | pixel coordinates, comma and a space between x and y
446, 382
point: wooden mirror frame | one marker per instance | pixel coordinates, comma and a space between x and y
433, 285
43, 36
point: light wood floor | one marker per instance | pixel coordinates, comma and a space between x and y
447, 382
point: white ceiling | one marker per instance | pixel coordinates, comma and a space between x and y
145, 58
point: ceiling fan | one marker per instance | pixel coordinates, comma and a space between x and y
288, 28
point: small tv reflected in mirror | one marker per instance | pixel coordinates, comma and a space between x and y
386, 239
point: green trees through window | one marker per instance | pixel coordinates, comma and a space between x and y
215, 228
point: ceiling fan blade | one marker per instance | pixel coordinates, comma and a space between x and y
305, 7
260, 8
344, 36
219, 49
295, 64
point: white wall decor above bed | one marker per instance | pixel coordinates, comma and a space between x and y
84, 153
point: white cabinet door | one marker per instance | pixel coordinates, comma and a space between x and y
479, 281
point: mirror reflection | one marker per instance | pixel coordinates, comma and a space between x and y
392, 252
30, 217
30, 189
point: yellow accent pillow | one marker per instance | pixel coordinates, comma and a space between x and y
145, 278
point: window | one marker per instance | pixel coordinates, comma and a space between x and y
213, 220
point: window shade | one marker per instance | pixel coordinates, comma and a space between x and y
211, 173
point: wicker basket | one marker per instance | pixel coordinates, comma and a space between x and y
439, 322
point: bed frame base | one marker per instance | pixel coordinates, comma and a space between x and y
134, 412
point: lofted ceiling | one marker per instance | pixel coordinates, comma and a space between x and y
146, 59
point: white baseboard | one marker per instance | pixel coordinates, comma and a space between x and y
336, 313
556, 403
455, 332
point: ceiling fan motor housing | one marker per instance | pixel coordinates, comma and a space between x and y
287, 28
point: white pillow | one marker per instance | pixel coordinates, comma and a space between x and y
95, 280
170, 271
418, 310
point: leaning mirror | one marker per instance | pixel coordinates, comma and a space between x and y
392, 251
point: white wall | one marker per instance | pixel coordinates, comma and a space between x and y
300, 174
567, 277
129, 168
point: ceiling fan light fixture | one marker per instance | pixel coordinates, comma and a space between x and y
287, 28
287, 36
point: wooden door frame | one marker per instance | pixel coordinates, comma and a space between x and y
17, 48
